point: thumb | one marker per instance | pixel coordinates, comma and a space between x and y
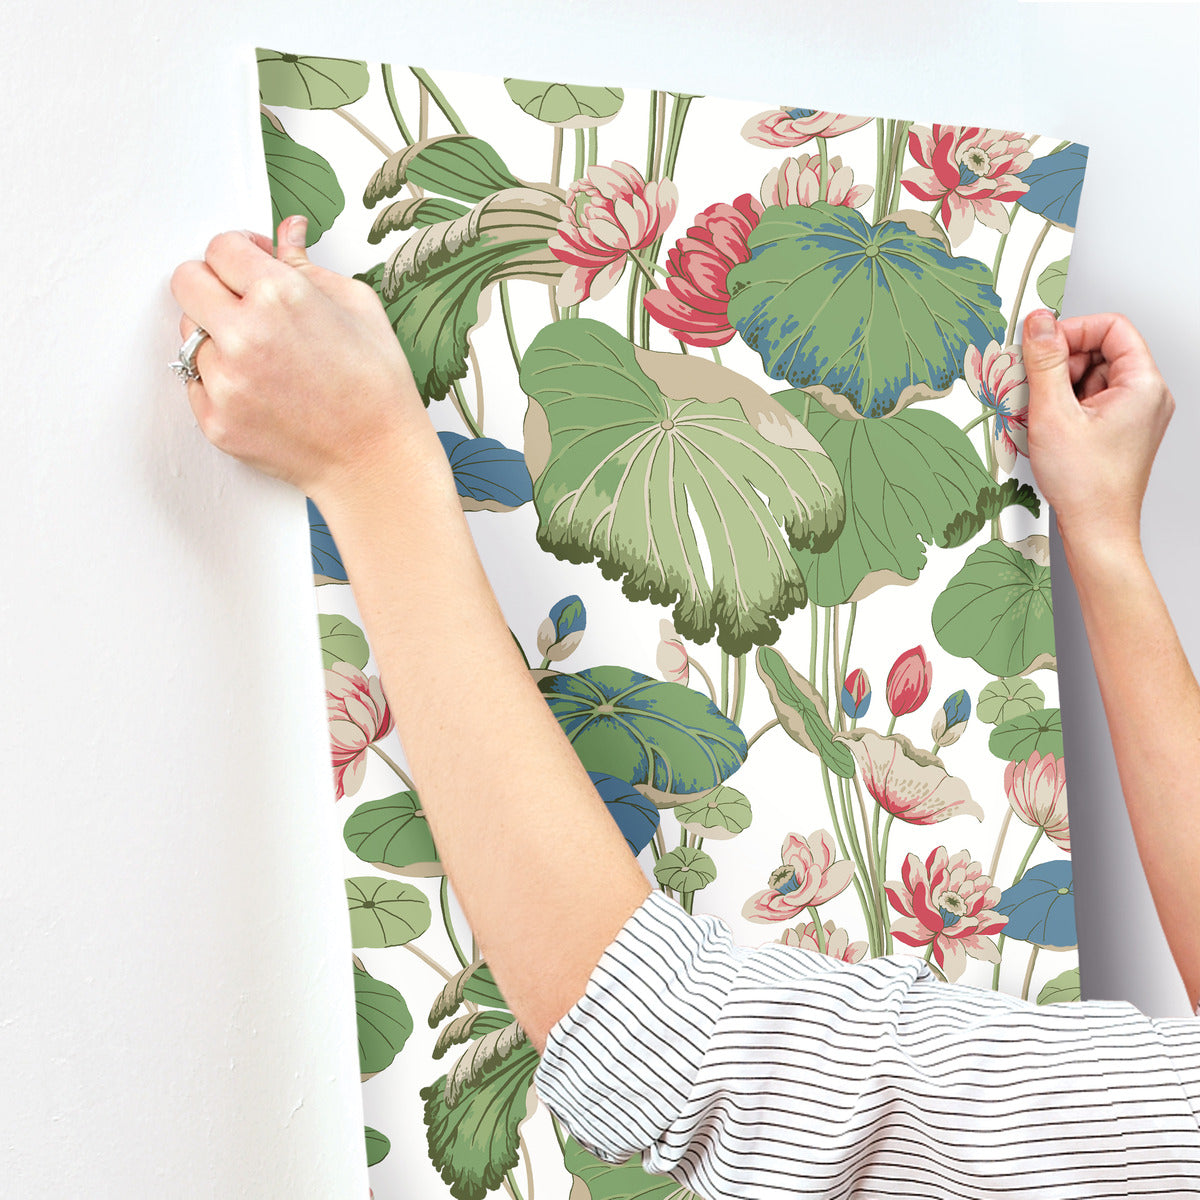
1046, 356
291, 240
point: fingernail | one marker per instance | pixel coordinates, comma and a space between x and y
1041, 324
297, 231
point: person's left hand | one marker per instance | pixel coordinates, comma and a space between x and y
302, 375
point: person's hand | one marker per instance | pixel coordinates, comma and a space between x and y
1098, 409
302, 375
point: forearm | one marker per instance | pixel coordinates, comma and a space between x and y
540, 869
1152, 703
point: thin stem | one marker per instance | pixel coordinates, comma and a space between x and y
650, 139
887, 829
715, 352
423, 111
769, 725
440, 100
988, 411
461, 404
375, 141
823, 178
812, 658
1016, 879
1012, 321
1000, 842
579, 153
506, 309
712, 691
478, 388
510, 1185
449, 924
562, 1145
1029, 973
739, 692
554, 313
876, 881
816, 916
592, 145
660, 124
395, 767
724, 681
1012, 212
879, 164
389, 88
645, 270
556, 156
898, 162
429, 961
528, 1166
938, 972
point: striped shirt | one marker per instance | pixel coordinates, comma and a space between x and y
774, 1071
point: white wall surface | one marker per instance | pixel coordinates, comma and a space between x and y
176, 1011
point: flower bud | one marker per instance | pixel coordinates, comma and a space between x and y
909, 681
560, 633
856, 694
672, 657
951, 719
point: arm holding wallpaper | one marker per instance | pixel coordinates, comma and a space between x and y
657, 1032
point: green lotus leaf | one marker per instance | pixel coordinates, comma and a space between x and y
302, 81
470, 1025
452, 164
868, 318
393, 835
302, 183
1016, 739
385, 912
905, 479
570, 106
630, 450
475, 1142
413, 212
384, 1022
597, 1180
481, 989
342, 641
433, 287
685, 869
1061, 988
992, 501
1003, 699
998, 609
722, 813
378, 1145
802, 711
1051, 284
644, 730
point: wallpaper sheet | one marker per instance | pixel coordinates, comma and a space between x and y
733, 403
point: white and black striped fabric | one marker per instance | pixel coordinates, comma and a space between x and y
772, 1071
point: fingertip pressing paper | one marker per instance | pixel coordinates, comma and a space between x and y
734, 404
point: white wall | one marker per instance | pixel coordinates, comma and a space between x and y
175, 1004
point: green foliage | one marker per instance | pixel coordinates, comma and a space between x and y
1018, 737
385, 912
685, 869
722, 813
393, 835
1003, 699
302, 183
342, 641
1064, 987
302, 81
571, 106
384, 1022
378, 1145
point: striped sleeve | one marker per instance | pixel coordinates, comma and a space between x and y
776, 1071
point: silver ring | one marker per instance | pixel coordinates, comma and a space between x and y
185, 365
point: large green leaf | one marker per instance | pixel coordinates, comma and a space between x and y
385, 912
393, 835
802, 711
571, 106
475, 1142
905, 478
1003, 699
997, 609
302, 183
342, 641
722, 813
877, 314
645, 731
384, 1022
1017, 738
302, 81
597, 1180
432, 287
452, 164
631, 449
1061, 988
1051, 284
685, 869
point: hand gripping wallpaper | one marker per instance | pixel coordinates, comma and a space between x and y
733, 403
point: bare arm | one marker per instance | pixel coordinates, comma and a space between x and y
1098, 409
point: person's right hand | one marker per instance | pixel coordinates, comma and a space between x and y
1098, 409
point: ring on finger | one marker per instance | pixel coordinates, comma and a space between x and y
185, 364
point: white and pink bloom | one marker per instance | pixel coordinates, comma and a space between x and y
358, 716
1037, 793
672, 656
607, 214
947, 901
798, 181
811, 873
837, 941
973, 171
786, 127
997, 378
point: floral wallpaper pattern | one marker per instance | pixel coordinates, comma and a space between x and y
755, 497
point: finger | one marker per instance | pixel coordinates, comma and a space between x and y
292, 239
198, 397
1113, 337
1046, 357
203, 296
238, 259
206, 348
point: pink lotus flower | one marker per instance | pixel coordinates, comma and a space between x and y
973, 171
947, 901
672, 656
837, 941
358, 716
909, 681
786, 127
810, 874
997, 379
694, 304
608, 213
1036, 789
798, 181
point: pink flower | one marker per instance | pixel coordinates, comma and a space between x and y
810, 874
1036, 790
973, 171
694, 304
672, 657
358, 716
947, 901
608, 213
997, 378
837, 941
794, 126
909, 681
798, 181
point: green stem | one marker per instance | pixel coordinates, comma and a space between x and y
1001, 939
769, 725
512, 1185
892, 724
461, 404
1012, 212
837, 829
812, 658
724, 681
562, 1145
898, 162
592, 144
887, 924
823, 179
645, 270
716, 355
373, 138
556, 156
988, 411
395, 767
389, 89
445, 902
1012, 321
879, 165
440, 100
506, 309
650, 139
579, 153
816, 916
739, 689
1029, 973
1000, 842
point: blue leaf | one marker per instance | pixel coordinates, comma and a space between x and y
486, 473
636, 817
325, 557
1040, 907
1055, 182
